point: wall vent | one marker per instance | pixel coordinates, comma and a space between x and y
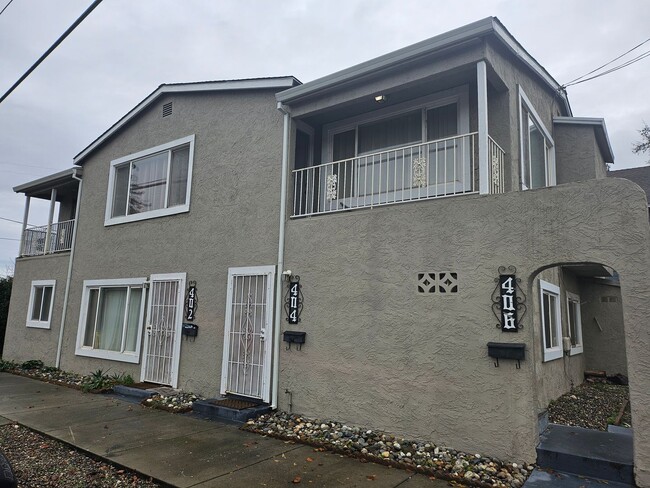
441, 282
167, 109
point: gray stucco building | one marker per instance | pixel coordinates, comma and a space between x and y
402, 214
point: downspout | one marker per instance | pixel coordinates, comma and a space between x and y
279, 276
67, 281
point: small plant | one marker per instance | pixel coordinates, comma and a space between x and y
7, 365
32, 364
50, 369
122, 379
97, 380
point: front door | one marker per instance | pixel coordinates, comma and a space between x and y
163, 329
246, 368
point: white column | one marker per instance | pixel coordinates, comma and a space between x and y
48, 235
21, 250
483, 153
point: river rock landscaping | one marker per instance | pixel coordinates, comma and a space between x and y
371, 445
178, 402
41, 462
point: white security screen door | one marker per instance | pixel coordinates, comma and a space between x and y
246, 368
162, 339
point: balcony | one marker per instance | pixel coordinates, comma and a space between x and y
435, 169
37, 241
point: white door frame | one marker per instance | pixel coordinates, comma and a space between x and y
269, 271
181, 277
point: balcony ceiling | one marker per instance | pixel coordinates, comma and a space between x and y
66, 186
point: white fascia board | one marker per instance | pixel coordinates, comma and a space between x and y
596, 122
228, 85
431, 45
46, 180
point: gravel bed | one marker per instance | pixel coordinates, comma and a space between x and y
40, 462
383, 448
591, 405
179, 402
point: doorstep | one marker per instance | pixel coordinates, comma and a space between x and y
229, 409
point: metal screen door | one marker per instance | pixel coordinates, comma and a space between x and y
246, 368
163, 328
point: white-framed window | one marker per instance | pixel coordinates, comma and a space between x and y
551, 321
575, 322
41, 302
150, 183
111, 318
537, 147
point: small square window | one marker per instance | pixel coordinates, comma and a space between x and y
551, 322
41, 301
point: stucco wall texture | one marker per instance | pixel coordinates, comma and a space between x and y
23, 343
378, 353
233, 219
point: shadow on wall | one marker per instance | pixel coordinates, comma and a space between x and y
577, 317
5, 296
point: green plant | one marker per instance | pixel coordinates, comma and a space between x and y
97, 380
50, 369
122, 379
7, 365
32, 364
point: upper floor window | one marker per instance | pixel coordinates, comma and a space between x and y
537, 153
41, 300
151, 183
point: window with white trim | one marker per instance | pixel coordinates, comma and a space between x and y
111, 318
537, 148
151, 183
41, 302
551, 322
575, 322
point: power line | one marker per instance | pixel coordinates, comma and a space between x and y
580, 79
8, 239
11, 220
5, 7
52, 48
611, 70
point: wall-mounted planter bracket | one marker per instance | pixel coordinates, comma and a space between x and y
507, 350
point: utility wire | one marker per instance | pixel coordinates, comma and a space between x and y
8, 239
11, 220
575, 81
611, 70
5, 7
52, 48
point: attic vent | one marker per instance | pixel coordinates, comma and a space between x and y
167, 109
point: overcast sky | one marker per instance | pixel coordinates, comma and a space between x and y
126, 48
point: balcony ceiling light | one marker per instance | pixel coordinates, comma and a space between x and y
381, 98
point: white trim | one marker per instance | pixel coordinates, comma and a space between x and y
152, 214
250, 84
523, 100
40, 324
482, 102
181, 278
125, 357
573, 298
269, 271
555, 352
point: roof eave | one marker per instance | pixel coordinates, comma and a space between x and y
229, 85
50, 180
601, 132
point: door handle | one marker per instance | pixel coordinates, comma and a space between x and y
262, 334
149, 328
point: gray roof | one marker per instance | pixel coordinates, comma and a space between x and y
640, 176
275, 83
64, 181
481, 28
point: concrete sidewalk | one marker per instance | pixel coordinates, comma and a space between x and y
181, 450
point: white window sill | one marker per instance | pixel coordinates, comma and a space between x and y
576, 350
152, 214
110, 355
552, 354
36, 324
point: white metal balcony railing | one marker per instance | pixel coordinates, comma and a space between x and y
34, 240
433, 169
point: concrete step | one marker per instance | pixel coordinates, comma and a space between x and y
555, 479
133, 393
588, 453
207, 409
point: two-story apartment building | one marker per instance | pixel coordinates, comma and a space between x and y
411, 222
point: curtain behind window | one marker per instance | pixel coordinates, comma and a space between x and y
178, 177
112, 303
148, 183
396, 131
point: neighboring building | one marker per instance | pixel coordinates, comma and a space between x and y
402, 194
640, 176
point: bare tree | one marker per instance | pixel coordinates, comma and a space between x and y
643, 146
